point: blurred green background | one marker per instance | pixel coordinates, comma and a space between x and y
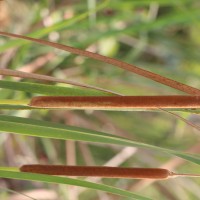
160, 36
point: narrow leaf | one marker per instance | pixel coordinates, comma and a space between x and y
68, 181
49, 89
45, 129
115, 62
9, 72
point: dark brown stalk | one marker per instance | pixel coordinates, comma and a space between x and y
166, 81
115, 102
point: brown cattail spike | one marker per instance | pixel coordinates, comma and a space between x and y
115, 102
105, 172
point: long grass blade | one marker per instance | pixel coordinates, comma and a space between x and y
68, 181
9, 72
45, 129
50, 90
158, 78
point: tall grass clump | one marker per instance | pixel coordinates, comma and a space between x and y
105, 89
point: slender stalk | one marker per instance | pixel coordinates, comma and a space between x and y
21, 74
166, 81
174, 175
105, 172
115, 102
196, 126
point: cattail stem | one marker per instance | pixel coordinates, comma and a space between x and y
174, 175
115, 102
104, 172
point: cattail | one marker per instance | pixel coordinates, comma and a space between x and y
104, 172
115, 102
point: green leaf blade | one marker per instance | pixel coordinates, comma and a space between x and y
68, 181
45, 129
51, 90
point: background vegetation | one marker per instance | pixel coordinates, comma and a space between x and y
160, 36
